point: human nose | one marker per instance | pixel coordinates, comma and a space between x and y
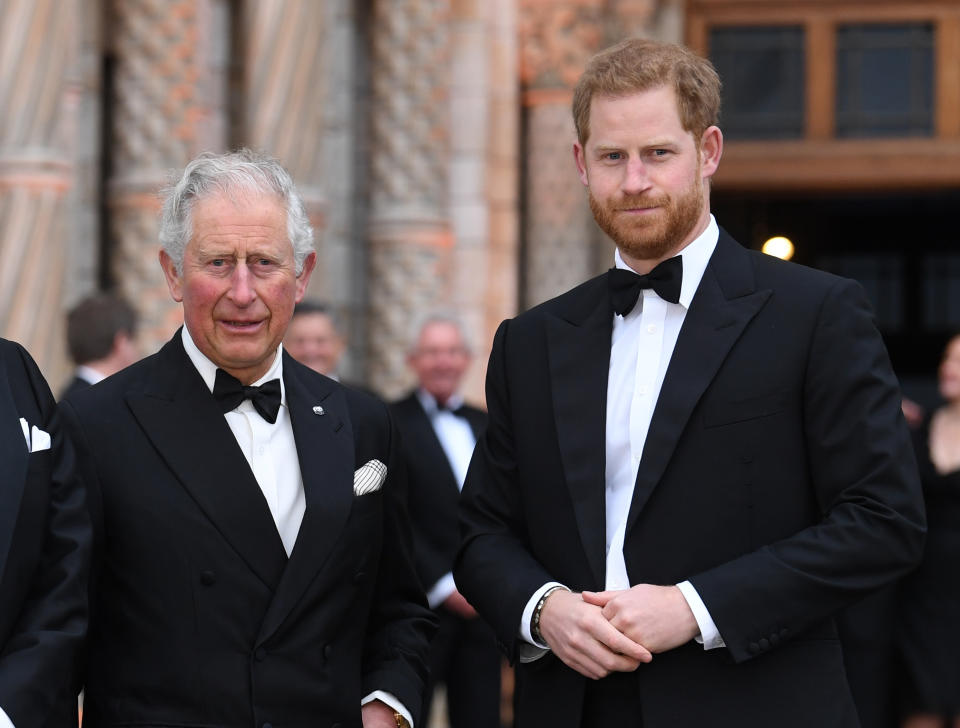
242, 291
635, 179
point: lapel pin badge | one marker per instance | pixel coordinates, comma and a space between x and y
318, 410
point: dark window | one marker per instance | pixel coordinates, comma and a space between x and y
881, 276
885, 80
941, 292
762, 69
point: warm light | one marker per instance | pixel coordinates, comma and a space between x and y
779, 247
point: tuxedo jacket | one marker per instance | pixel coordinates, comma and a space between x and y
44, 554
434, 492
76, 384
776, 476
198, 616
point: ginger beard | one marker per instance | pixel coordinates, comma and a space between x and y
652, 236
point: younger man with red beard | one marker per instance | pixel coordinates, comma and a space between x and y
693, 461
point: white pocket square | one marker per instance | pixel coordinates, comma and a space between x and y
36, 438
369, 478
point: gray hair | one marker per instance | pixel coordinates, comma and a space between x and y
228, 174
437, 317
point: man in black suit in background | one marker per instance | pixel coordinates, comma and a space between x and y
101, 339
252, 551
44, 553
439, 433
693, 461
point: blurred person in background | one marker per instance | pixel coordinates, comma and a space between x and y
101, 339
930, 602
439, 431
314, 338
45, 542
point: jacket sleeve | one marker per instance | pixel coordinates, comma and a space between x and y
492, 527
863, 477
39, 672
400, 625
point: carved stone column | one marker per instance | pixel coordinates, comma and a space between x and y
299, 101
37, 47
562, 245
409, 232
167, 103
284, 64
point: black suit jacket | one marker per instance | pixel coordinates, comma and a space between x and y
77, 384
44, 554
434, 493
198, 617
776, 476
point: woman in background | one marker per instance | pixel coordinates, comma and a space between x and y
931, 595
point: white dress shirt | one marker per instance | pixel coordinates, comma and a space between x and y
641, 348
458, 441
88, 374
271, 451
269, 448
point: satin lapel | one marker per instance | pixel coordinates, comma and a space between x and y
579, 356
326, 454
724, 304
13, 455
182, 420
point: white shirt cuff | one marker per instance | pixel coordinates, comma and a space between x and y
709, 635
533, 650
438, 594
390, 700
5, 721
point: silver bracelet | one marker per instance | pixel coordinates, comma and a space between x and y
538, 610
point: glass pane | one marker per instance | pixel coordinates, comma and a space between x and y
881, 275
762, 69
885, 80
941, 293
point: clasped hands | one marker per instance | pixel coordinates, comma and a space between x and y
597, 633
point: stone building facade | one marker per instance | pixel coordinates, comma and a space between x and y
430, 140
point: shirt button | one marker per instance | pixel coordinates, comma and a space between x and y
260, 449
651, 329
642, 390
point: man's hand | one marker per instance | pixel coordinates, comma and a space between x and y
377, 714
458, 605
581, 636
657, 617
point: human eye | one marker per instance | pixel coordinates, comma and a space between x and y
613, 156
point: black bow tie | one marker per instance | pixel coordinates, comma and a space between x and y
229, 392
625, 285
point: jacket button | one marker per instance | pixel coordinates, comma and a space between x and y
754, 648
267, 725
764, 644
327, 651
261, 655
359, 577
208, 578
774, 639
783, 632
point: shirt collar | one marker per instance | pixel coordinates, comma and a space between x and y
695, 257
429, 402
208, 370
89, 374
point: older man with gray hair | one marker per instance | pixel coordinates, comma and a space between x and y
252, 554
